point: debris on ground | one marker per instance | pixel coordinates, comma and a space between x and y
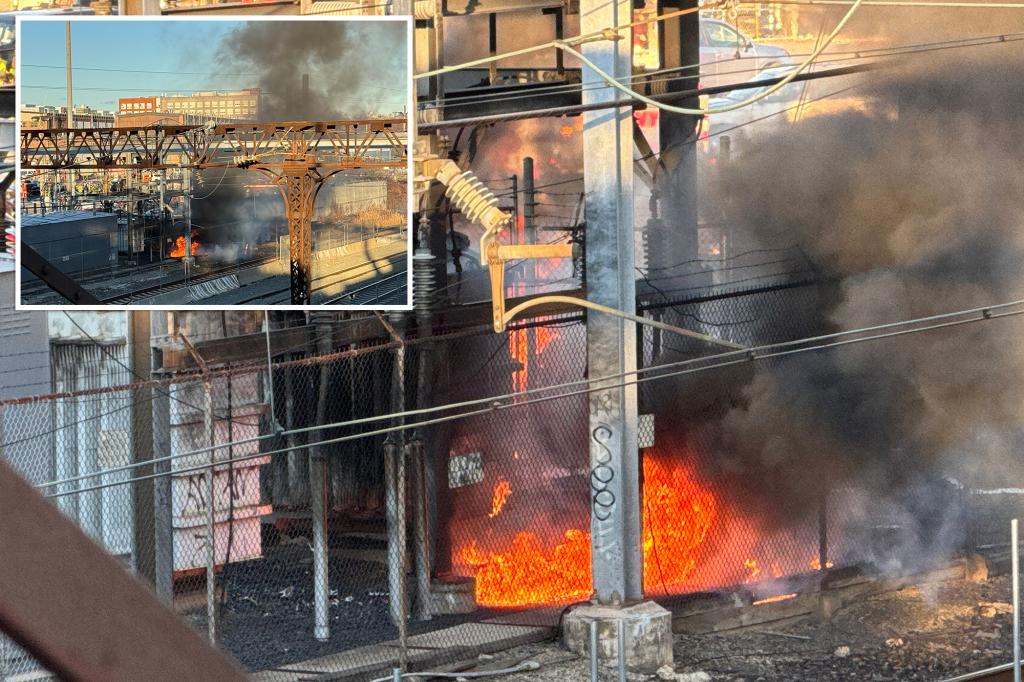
907, 635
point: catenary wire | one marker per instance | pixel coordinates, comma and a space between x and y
748, 356
496, 402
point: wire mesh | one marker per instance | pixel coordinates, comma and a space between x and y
494, 506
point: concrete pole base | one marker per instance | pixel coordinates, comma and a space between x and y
647, 630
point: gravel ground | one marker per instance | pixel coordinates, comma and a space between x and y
918, 633
268, 616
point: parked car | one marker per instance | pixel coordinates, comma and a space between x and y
728, 56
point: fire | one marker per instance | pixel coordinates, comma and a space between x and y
179, 247
678, 513
755, 570
775, 598
526, 574
500, 495
816, 564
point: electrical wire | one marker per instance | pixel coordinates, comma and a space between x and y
833, 57
703, 111
611, 34
749, 356
903, 3
493, 404
606, 34
216, 187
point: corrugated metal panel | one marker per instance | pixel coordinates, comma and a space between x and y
93, 432
24, 371
75, 242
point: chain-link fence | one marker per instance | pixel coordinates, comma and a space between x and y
282, 516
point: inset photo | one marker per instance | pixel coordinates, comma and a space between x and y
187, 163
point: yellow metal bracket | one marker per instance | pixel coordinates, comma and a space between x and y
497, 254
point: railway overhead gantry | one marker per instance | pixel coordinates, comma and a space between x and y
296, 156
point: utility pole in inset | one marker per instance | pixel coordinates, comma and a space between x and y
71, 110
614, 471
67, 44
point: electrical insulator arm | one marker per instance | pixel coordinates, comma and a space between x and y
479, 204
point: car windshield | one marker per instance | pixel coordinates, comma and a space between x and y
722, 35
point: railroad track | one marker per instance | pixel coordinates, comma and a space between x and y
160, 289
382, 291
324, 281
999, 673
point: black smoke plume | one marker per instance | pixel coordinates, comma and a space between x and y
354, 68
911, 209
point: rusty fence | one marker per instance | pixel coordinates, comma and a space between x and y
280, 515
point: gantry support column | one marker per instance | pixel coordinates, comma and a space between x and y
299, 183
643, 629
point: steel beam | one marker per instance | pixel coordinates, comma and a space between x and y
611, 342
338, 145
53, 277
75, 608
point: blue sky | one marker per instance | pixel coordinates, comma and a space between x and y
115, 58
141, 49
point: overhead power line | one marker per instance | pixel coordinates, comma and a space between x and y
492, 404
574, 109
912, 49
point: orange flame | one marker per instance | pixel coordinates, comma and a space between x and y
678, 513
777, 597
501, 492
816, 564
179, 247
755, 570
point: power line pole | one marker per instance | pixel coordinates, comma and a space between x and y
611, 342
642, 631
71, 110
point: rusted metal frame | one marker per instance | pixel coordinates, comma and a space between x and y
78, 611
339, 143
399, 148
368, 139
139, 144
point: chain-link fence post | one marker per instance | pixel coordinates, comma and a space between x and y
394, 475
318, 502
211, 537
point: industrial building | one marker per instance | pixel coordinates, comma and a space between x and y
241, 105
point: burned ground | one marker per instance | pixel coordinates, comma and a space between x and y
929, 632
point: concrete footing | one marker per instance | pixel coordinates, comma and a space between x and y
646, 628
452, 595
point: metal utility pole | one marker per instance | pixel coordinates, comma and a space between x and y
395, 499
211, 507
143, 550
318, 497
529, 203
67, 44
71, 109
423, 482
163, 527
187, 258
611, 342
